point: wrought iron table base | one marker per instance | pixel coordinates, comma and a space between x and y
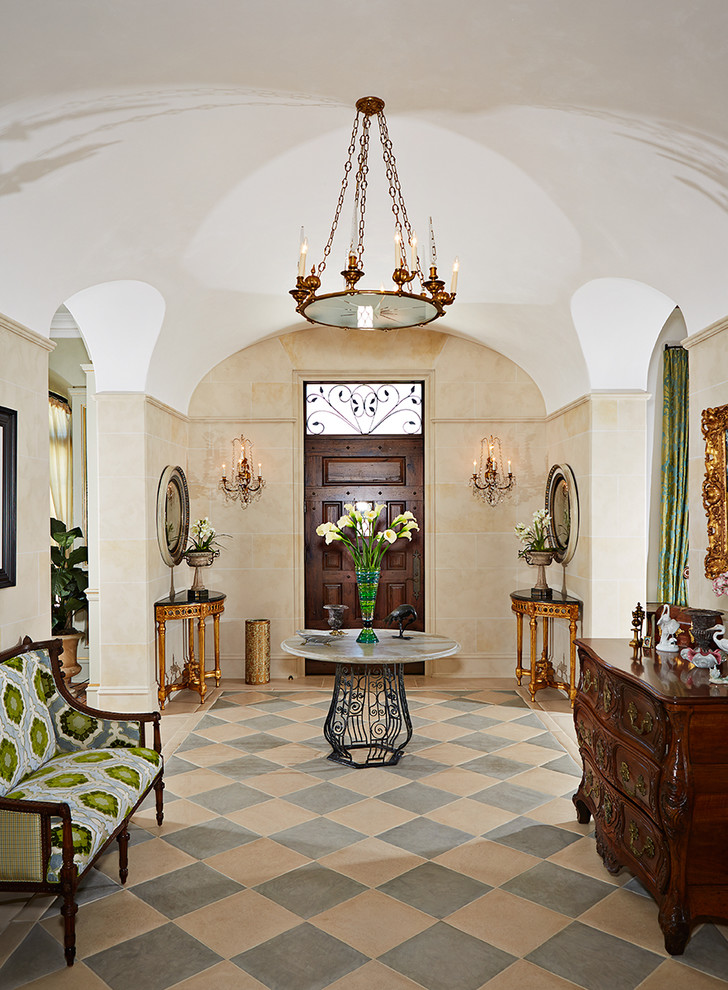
368, 713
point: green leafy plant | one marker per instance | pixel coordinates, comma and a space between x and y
535, 537
68, 580
357, 531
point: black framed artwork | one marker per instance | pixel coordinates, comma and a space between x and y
8, 495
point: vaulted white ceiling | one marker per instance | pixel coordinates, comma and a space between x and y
164, 155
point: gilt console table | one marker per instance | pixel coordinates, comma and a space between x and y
194, 674
541, 672
369, 716
652, 736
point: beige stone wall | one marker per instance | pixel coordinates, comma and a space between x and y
137, 438
708, 389
471, 562
26, 608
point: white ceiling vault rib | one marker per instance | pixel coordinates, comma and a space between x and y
574, 157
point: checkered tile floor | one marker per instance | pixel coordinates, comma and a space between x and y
463, 867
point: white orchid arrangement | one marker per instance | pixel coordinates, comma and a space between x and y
203, 536
357, 531
535, 536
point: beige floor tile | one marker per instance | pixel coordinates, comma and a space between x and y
445, 732
524, 975
256, 862
508, 922
371, 816
224, 733
374, 976
195, 782
582, 856
546, 781
502, 712
277, 783
630, 916
237, 923
224, 976
448, 753
207, 756
487, 861
271, 816
372, 862
289, 755
371, 781
306, 713
372, 922
438, 713
456, 780
471, 816
561, 812
512, 730
524, 752
299, 731
177, 814
107, 922
11, 937
77, 977
672, 975
146, 861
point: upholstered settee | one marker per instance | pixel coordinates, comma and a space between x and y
70, 779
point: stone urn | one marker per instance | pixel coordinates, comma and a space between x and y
336, 619
540, 559
199, 559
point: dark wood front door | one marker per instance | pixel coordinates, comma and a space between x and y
388, 470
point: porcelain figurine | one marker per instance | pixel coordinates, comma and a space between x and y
669, 629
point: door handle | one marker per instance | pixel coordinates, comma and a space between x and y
416, 573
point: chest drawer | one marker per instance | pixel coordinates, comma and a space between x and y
641, 719
637, 778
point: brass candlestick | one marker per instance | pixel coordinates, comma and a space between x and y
636, 642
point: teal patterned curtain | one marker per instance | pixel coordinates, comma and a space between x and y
671, 586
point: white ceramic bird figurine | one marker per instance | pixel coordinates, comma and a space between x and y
720, 641
669, 628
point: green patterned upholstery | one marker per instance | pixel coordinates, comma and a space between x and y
27, 736
101, 787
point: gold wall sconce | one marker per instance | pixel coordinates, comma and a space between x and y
242, 485
489, 481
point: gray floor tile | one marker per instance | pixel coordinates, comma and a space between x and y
496, 766
304, 958
564, 764
244, 767
317, 838
531, 720
547, 741
185, 890
257, 742
209, 838
514, 701
511, 797
209, 722
267, 721
595, 960
414, 767
418, 797
37, 955
424, 837
533, 837
443, 958
562, 890
323, 798
232, 797
193, 741
434, 889
473, 721
153, 961
270, 707
93, 887
176, 765
221, 704
707, 951
322, 767
483, 742
310, 889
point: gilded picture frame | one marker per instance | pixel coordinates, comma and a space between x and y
8, 495
715, 489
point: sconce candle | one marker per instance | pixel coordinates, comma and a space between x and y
490, 483
241, 486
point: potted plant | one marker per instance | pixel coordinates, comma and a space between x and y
536, 549
68, 590
204, 547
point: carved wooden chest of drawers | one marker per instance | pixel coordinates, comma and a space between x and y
654, 744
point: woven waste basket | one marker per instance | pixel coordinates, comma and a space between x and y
257, 651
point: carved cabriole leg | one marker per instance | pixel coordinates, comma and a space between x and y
201, 659
572, 660
123, 840
159, 796
161, 639
583, 814
216, 638
674, 916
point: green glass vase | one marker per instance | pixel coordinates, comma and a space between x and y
366, 582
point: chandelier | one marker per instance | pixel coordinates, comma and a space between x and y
370, 308
242, 486
489, 482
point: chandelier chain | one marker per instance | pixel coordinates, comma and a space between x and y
401, 219
344, 185
361, 186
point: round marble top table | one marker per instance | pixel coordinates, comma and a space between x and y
368, 716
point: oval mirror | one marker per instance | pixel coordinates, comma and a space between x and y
562, 505
173, 515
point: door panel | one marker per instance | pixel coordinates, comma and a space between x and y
388, 470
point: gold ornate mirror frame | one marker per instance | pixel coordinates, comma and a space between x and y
715, 489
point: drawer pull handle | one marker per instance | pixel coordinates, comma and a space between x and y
648, 847
608, 809
584, 734
591, 789
607, 698
645, 726
640, 787
589, 681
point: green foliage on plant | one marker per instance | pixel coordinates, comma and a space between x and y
68, 580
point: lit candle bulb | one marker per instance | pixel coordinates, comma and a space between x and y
302, 255
397, 250
509, 467
223, 471
413, 247
455, 270
260, 475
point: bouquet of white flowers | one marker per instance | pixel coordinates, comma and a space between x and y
204, 537
357, 531
535, 536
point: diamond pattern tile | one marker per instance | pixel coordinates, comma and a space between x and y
461, 868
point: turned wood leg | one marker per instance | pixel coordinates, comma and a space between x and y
159, 796
201, 659
534, 634
161, 639
69, 909
216, 638
572, 661
123, 840
519, 647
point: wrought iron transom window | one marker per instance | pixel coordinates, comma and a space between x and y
363, 408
